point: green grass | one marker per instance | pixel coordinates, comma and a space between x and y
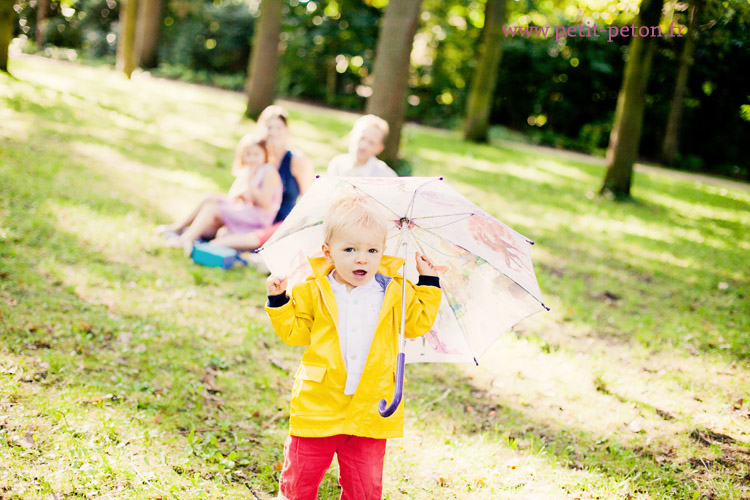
128, 372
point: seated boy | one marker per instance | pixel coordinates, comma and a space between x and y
348, 313
366, 141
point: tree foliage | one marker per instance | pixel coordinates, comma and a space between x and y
559, 92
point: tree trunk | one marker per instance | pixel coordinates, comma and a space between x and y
331, 77
147, 34
42, 11
626, 131
671, 136
391, 70
126, 42
479, 102
261, 71
7, 22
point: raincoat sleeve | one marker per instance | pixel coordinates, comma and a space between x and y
422, 304
293, 320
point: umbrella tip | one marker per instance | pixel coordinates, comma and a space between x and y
547, 308
317, 176
441, 177
530, 242
476, 362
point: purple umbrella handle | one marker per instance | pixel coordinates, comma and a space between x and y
387, 412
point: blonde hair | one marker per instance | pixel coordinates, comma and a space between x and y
370, 121
271, 112
246, 142
354, 210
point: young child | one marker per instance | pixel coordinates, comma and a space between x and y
366, 141
252, 201
348, 313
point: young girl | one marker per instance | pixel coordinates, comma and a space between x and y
252, 202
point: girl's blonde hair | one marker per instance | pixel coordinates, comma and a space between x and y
246, 142
354, 210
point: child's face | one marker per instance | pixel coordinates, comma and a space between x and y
368, 143
355, 254
253, 156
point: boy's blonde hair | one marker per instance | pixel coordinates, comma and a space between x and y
370, 121
353, 210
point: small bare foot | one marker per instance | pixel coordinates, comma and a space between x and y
163, 229
173, 243
187, 247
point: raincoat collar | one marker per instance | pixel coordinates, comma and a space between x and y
389, 266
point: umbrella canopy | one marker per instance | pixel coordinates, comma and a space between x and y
485, 267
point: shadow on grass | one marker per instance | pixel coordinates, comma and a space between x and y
189, 381
476, 413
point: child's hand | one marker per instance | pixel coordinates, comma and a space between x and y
276, 285
424, 266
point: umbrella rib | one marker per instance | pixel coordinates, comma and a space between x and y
289, 234
451, 243
419, 244
410, 208
448, 289
444, 215
357, 188
466, 216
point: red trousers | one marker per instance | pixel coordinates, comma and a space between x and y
306, 460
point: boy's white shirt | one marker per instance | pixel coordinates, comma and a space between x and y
358, 317
343, 166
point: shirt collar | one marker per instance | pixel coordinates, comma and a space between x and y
372, 285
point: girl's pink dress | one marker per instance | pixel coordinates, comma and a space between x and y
240, 217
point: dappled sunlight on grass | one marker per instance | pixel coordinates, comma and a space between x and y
631, 226
175, 192
147, 376
97, 439
454, 163
479, 466
559, 169
695, 391
698, 211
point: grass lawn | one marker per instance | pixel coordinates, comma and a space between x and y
128, 372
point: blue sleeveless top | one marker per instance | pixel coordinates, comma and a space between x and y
290, 188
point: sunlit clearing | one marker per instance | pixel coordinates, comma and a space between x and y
574, 173
697, 211
603, 224
175, 192
456, 162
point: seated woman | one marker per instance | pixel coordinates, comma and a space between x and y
294, 168
252, 203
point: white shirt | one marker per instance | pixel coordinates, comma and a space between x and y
343, 166
358, 317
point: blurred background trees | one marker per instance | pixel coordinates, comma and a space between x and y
261, 72
560, 93
484, 79
625, 138
7, 22
391, 70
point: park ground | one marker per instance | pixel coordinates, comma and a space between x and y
128, 372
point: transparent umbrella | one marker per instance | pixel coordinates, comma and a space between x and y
485, 267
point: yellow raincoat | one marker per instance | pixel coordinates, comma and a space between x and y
319, 406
